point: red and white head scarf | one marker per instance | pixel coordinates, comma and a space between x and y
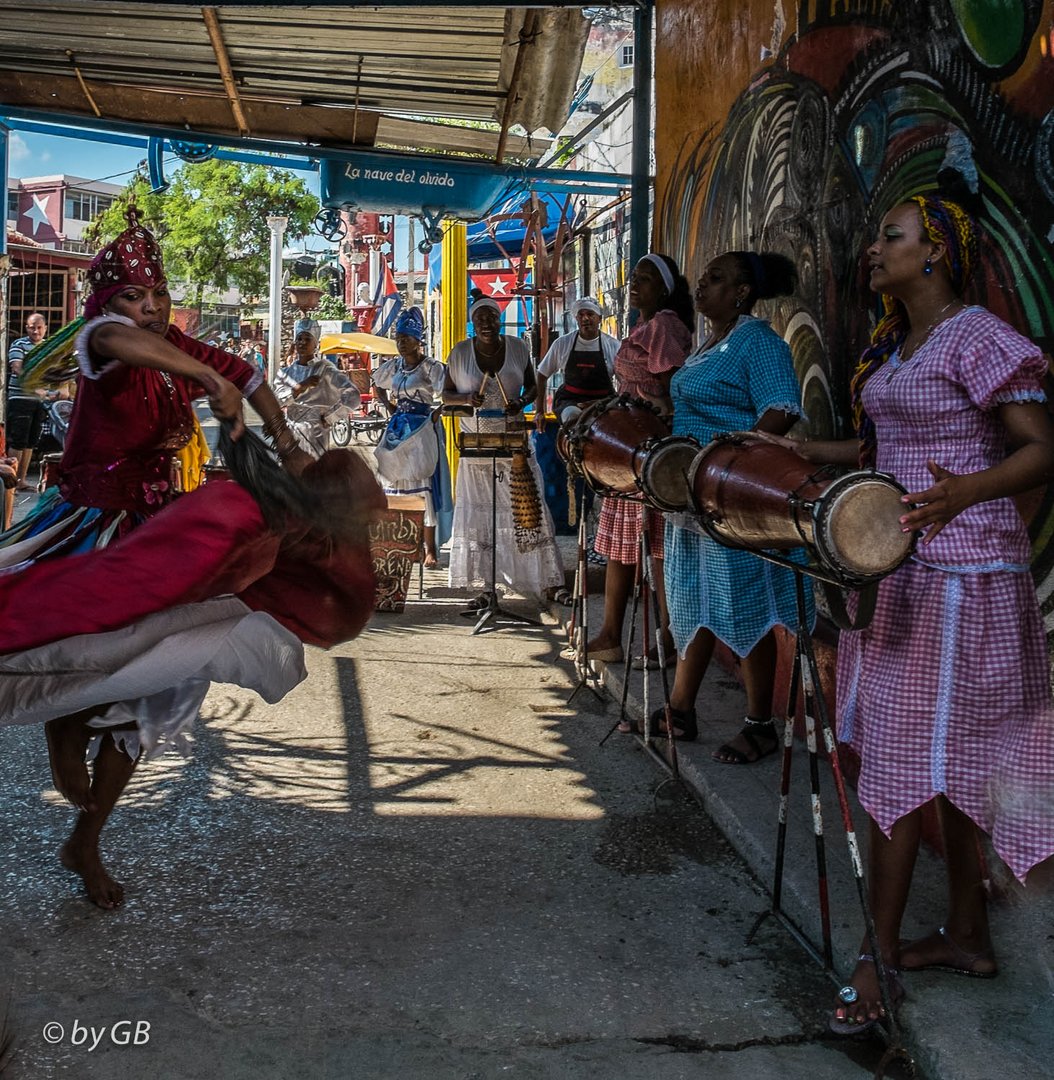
134, 258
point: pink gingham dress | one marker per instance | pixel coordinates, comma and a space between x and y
948, 690
652, 348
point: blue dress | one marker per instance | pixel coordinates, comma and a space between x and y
732, 593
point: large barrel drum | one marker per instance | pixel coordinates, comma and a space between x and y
753, 494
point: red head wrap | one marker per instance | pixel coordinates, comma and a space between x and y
134, 258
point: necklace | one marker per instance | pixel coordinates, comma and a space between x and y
907, 354
715, 337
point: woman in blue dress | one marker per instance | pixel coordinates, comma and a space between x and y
409, 385
740, 378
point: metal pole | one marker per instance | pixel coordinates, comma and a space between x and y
640, 185
411, 277
274, 312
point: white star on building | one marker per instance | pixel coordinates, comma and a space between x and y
497, 287
38, 213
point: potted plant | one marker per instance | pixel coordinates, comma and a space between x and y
304, 293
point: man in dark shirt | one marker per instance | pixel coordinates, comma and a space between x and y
25, 411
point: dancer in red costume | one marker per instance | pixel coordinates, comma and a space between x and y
120, 602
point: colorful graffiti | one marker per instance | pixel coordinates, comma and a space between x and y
850, 110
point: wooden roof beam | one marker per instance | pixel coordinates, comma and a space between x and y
219, 47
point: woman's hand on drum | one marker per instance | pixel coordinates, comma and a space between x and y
799, 446
939, 503
475, 400
516, 406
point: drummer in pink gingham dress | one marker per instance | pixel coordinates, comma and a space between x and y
645, 363
945, 695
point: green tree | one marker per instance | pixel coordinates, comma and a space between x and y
333, 307
211, 223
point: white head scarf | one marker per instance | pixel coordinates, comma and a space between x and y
484, 302
586, 303
664, 271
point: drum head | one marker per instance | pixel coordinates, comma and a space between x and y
859, 528
664, 473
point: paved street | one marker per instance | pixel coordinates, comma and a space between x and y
420, 864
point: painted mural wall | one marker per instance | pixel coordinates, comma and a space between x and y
793, 126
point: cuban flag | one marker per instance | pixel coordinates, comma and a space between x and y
386, 302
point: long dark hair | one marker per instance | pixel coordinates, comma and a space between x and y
680, 300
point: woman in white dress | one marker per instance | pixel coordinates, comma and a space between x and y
492, 372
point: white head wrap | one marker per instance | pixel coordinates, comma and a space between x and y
664, 271
308, 326
586, 303
484, 302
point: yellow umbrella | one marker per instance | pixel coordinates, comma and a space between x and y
360, 343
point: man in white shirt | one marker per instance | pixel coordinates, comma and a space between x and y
585, 359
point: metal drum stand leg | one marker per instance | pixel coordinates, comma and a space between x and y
649, 561
580, 610
805, 675
493, 610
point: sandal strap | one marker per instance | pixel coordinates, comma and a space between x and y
752, 721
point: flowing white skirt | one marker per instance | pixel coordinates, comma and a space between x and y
154, 673
528, 572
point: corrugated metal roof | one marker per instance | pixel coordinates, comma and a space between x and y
338, 75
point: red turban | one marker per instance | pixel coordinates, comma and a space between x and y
134, 258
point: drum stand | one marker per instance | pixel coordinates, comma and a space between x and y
644, 584
805, 675
578, 631
493, 610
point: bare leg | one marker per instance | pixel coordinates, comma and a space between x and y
68, 738
618, 585
80, 853
965, 944
759, 674
24, 458
891, 864
690, 671
9, 507
431, 561
664, 610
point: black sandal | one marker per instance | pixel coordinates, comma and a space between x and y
760, 735
683, 720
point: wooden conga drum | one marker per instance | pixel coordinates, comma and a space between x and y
607, 444
753, 494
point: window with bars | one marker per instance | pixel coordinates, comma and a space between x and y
12, 205
626, 56
29, 291
84, 205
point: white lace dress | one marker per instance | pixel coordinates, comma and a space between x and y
526, 564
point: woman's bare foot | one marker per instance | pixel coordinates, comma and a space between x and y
939, 951
860, 1006
68, 738
82, 857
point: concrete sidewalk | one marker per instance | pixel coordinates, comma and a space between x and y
955, 1028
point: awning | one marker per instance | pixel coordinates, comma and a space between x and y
357, 343
340, 75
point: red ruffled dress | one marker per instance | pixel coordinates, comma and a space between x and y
115, 591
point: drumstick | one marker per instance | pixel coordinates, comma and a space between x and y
483, 384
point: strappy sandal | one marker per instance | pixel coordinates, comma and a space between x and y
849, 995
963, 962
685, 724
760, 735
